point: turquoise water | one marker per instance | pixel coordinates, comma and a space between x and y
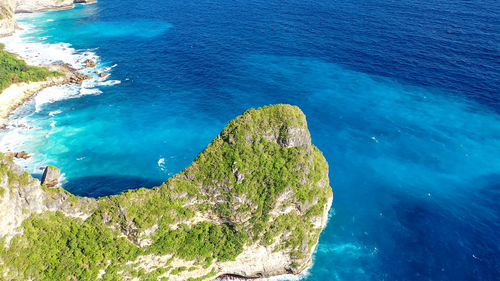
404, 107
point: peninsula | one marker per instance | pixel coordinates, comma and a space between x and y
252, 204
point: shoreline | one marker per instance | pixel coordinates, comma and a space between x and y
17, 94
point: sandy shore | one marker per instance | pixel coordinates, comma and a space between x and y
16, 94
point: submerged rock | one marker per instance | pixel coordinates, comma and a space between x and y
252, 204
51, 176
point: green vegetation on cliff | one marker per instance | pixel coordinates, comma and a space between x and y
260, 182
204, 242
14, 70
57, 247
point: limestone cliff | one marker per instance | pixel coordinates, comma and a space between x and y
9, 7
252, 204
7, 20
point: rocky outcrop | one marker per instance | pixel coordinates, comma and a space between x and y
18, 155
51, 176
252, 204
9, 7
89, 63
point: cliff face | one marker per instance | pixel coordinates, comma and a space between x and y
252, 204
7, 21
9, 7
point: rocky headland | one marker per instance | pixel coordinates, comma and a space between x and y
252, 204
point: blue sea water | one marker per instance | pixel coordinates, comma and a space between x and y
403, 98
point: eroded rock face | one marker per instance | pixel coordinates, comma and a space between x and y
51, 176
252, 204
7, 20
22, 196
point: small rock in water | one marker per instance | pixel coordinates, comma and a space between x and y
89, 63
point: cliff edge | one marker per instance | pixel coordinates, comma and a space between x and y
252, 204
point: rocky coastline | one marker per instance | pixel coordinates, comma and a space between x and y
17, 94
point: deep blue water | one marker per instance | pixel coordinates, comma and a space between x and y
403, 98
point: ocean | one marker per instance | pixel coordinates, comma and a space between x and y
403, 98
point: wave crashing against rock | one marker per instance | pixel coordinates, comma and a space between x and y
252, 204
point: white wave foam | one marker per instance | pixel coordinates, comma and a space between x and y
106, 69
42, 53
37, 51
62, 180
86, 91
109, 83
52, 94
161, 164
52, 113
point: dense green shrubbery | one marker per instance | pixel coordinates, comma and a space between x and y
269, 168
14, 70
203, 242
56, 247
